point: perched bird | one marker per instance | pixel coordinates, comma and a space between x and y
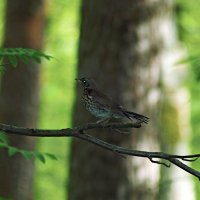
101, 106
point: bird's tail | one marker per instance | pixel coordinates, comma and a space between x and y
140, 118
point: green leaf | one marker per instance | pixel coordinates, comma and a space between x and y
3, 145
3, 138
26, 154
51, 156
13, 60
195, 59
47, 57
24, 54
24, 59
37, 59
12, 151
40, 157
3, 198
1, 58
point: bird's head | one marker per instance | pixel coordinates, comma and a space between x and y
87, 83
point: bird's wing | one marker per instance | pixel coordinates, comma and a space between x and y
107, 102
137, 116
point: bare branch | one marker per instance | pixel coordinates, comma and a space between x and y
78, 133
108, 125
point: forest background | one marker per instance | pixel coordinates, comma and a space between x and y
57, 85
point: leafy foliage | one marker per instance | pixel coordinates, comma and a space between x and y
15, 54
2, 198
26, 154
189, 28
57, 95
187, 13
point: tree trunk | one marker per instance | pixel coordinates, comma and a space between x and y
19, 95
121, 47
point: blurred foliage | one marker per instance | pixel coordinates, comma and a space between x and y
25, 153
57, 86
170, 125
13, 55
188, 16
170, 129
189, 30
57, 95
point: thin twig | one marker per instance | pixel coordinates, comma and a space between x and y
159, 162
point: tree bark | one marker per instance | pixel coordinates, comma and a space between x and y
20, 95
121, 47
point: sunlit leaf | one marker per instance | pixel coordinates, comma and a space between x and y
51, 156
40, 157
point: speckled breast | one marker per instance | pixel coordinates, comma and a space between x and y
95, 108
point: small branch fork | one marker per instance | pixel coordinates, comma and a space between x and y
79, 132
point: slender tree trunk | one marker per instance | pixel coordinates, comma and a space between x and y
19, 95
121, 47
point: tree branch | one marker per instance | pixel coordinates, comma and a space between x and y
154, 157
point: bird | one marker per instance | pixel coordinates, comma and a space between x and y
102, 106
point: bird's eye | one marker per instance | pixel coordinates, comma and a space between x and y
86, 84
